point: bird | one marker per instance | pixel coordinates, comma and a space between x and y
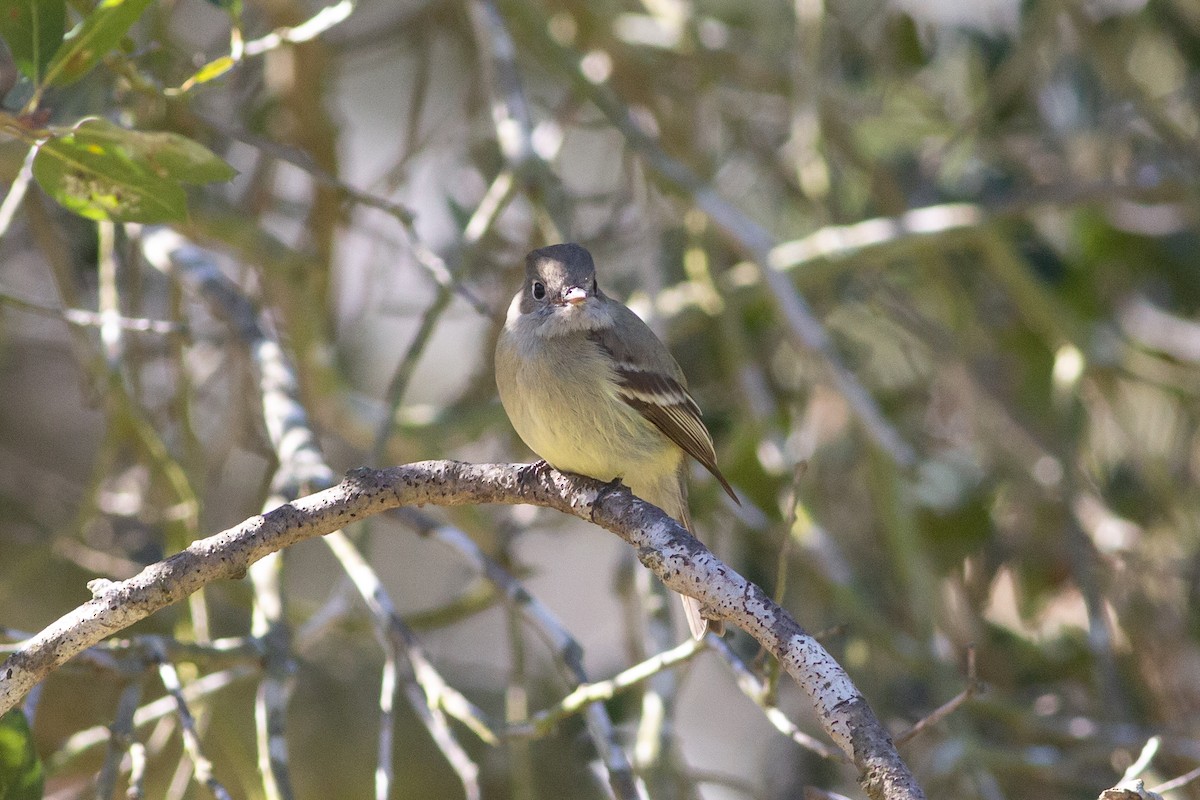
592, 390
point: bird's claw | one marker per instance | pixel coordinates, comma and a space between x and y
608, 488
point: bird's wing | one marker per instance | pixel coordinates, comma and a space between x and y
657, 391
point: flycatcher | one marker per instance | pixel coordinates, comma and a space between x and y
591, 389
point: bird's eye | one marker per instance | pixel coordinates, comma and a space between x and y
539, 290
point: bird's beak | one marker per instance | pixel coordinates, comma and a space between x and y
574, 296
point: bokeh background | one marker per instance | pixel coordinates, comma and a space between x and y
990, 208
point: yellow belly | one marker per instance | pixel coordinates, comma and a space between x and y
561, 398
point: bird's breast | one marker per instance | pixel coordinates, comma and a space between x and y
560, 395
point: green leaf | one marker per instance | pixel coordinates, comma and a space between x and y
104, 172
91, 40
210, 71
20, 767
101, 183
168, 155
33, 30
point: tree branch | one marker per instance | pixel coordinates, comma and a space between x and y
681, 561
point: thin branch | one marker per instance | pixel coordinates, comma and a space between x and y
84, 318
137, 772
1156, 329
566, 650
82, 741
784, 563
846, 241
427, 692
107, 296
298, 158
219, 653
426, 258
510, 110
1177, 783
201, 767
974, 687
398, 386
522, 774
543, 721
16, 192
651, 632
120, 738
760, 692
269, 624
306, 31
511, 115
494, 199
1144, 759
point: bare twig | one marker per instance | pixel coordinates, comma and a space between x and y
1156, 329
82, 741
426, 258
785, 562
653, 633
1144, 759
201, 766
974, 687
758, 690
83, 318
495, 198
403, 374
846, 241
137, 772
269, 625
510, 112
566, 650
120, 739
306, 31
110, 654
542, 721
1177, 783
16, 192
428, 693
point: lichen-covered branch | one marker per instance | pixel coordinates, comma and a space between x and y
682, 563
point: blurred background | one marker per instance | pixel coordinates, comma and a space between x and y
933, 272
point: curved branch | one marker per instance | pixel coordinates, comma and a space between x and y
682, 562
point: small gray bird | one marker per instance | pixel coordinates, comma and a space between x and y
591, 389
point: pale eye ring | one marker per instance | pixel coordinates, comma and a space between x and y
539, 290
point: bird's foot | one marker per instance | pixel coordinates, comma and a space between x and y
608, 488
540, 467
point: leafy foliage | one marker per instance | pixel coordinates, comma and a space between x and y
20, 768
104, 172
101, 30
33, 30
